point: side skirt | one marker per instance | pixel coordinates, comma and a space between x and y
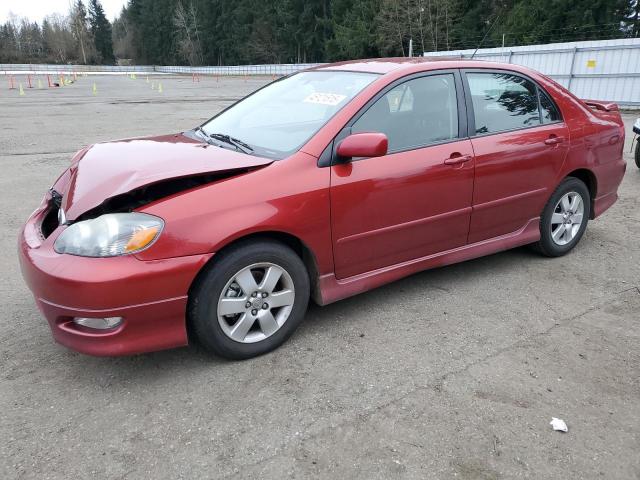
333, 289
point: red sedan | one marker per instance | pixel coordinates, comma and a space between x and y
321, 185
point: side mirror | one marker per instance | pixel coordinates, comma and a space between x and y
363, 145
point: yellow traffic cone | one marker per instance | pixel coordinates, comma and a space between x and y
21, 91
147, 78
159, 87
39, 84
95, 88
153, 85
133, 75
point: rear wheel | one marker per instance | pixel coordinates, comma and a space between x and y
564, 218
250, 301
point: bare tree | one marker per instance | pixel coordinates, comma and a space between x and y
58, 40
124, 38
392, 30
424, 21
263, 44
185, 21
78, 17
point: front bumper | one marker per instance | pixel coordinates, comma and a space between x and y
151, 296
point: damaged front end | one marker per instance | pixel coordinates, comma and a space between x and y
122, 176
139, 197
132, 200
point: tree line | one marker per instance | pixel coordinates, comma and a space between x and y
225, 32
84, 35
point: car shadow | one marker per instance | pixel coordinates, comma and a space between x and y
153, 367
433, 280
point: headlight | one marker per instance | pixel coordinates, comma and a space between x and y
110, 235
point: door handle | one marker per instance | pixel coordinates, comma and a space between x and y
554, 140
457, 159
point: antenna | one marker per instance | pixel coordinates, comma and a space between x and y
487, 33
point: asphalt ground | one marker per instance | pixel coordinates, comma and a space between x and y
451, 373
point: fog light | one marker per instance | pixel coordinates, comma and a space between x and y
98, 323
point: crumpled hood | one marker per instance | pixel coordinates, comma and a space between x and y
105, 170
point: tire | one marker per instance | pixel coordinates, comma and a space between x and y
637, 153
218, 290
564, 240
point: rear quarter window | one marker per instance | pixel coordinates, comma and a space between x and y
548, 109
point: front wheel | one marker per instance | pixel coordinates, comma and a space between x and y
637, 153
250, 300
564, 218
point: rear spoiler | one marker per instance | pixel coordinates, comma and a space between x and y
602, 105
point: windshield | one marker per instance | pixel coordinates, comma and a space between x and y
277, 120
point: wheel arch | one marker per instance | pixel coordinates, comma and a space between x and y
296, 244
590, 180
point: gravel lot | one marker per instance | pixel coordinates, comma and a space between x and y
451, 373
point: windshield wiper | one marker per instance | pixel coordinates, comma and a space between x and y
201, 131
239, 144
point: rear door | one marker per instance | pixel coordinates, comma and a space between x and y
519, 141
416, 200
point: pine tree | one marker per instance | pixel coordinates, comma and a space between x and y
101, 32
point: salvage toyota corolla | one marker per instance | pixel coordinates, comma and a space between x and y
321, 185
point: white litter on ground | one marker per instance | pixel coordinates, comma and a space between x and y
558, 424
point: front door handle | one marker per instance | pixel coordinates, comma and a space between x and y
457, 159
553, 140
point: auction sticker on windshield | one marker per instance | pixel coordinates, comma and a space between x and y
332, 99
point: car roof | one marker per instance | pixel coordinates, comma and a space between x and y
387, 65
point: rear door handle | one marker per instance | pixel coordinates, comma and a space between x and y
457, 159
554, 140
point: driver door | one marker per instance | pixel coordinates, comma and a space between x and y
416, 200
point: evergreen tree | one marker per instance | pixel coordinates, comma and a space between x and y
354, 26
101, 32
224, 32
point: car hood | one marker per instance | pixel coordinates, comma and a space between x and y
105, 170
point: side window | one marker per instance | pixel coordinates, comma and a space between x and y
548, 108
503, 102
415, 113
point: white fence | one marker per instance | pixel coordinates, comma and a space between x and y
66, 69
273, 69
596, 70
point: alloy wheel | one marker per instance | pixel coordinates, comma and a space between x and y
256, 302
567, 218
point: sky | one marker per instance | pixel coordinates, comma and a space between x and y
37, 9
